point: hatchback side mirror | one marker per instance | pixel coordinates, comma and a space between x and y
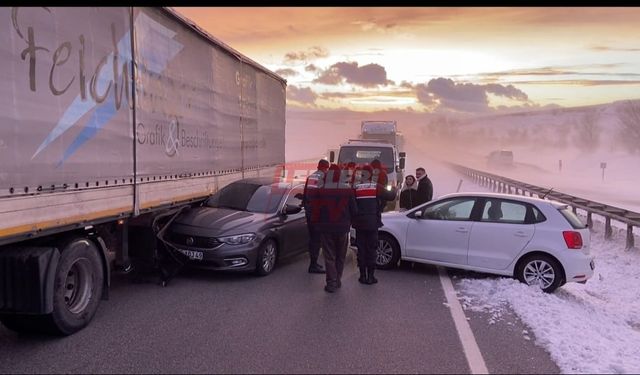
290, 209
417, 214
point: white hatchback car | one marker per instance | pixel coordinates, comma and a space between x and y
539, 242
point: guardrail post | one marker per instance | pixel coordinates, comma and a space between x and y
607, 228
630, 241
589, 221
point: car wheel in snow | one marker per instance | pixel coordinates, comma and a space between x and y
541, 270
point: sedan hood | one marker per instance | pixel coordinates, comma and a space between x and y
220, 219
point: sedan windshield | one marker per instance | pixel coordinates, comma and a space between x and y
248, 197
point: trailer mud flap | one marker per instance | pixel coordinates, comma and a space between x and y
26, 279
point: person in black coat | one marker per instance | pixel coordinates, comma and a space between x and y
425, 187
333, 206
367, 221
314, 181
409, 193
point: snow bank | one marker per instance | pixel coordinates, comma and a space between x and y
590, 328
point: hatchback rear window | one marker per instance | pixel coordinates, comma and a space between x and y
572, 218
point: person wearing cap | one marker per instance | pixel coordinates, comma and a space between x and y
369, 193
312, 184
332, 211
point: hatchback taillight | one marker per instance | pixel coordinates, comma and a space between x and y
573, 239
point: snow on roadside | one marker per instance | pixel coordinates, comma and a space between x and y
590, 328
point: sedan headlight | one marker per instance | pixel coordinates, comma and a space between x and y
239, 239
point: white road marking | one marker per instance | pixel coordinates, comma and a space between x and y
468, 340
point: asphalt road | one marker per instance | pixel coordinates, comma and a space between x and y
282, 323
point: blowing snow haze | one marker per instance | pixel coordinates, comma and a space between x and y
558, 87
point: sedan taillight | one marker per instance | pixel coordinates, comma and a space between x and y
573, 239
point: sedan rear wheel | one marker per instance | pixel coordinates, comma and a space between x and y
540, 270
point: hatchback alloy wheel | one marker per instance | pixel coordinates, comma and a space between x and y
384, 253
539, 272
388, 252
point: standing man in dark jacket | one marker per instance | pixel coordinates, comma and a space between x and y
369, 194
332, 207
312, 184
425, 187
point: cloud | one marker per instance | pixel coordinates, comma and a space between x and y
311, 68
607, 49
377, 25
444, 93
312, 53
582, 82
286, 72
583, 70
369, 75
303, 95
507, 91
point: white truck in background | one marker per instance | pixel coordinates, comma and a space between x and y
382, 130
113, 120
364, 151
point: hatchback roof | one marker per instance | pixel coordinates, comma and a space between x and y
503, 195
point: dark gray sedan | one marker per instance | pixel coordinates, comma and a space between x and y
246, 226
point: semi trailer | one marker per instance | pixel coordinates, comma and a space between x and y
112, 119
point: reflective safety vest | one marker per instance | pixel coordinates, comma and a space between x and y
368, 206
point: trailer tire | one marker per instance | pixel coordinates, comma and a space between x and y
77, 288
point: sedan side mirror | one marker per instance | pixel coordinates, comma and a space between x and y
290, 209
417, 214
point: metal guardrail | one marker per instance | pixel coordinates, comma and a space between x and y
507, 185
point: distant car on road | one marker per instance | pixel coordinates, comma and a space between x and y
246, 226
500, 158
539, 242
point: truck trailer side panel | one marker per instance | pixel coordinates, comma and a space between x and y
199, 111
77, 144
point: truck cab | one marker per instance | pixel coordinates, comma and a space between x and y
364, 151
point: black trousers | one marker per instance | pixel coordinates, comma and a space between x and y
314, 242
367, 241
334, 249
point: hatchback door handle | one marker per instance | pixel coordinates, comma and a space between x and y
521, 234
462, 230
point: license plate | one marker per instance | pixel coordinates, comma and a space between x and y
195, 255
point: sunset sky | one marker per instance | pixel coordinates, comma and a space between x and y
465, 60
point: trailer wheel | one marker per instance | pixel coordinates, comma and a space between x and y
77, 288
